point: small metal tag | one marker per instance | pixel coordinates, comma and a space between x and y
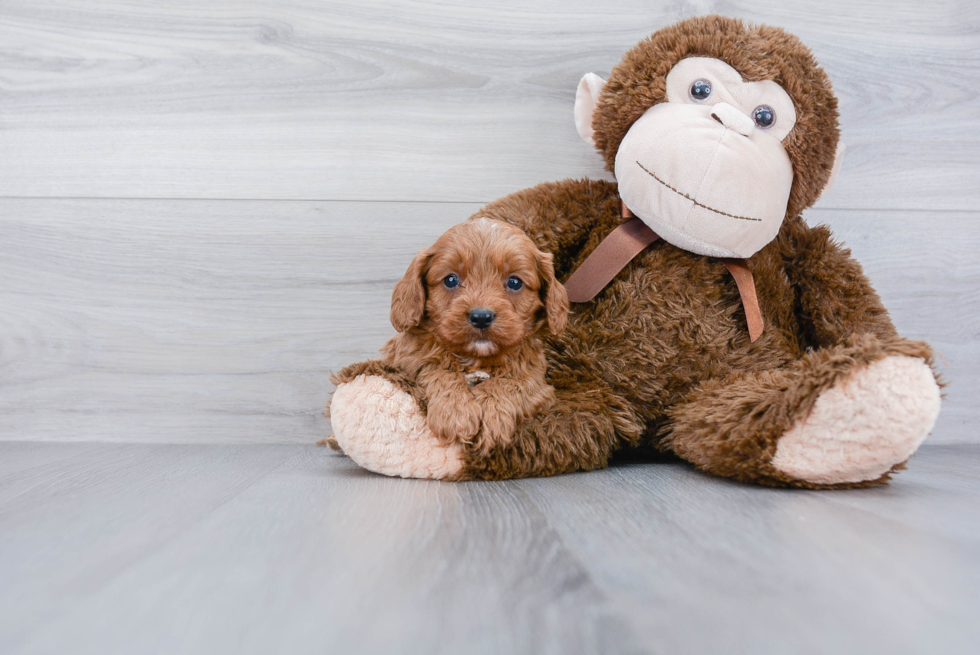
476, 377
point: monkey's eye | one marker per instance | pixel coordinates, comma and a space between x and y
515, 283
451, 281
763, 116
700, 90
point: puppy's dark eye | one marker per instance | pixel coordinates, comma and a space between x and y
451, 281
515, 283
700, 90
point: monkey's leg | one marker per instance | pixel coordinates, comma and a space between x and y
844, 416
380, 425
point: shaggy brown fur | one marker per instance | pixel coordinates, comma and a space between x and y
439, 348
661, 356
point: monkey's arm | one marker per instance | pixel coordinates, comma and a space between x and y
835, 300
377, 423
578, 432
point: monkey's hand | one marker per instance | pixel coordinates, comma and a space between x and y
381, 428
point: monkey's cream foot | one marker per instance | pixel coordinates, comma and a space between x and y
863, 426
381, 428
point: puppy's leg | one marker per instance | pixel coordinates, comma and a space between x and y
453, 412
499, 399
331, 442
506, 401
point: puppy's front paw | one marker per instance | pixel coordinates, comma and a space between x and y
454, 422
498, 428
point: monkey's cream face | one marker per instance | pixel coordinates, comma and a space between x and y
706, 170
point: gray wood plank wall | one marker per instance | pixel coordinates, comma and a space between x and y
204, 205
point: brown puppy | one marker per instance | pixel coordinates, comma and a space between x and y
471, 311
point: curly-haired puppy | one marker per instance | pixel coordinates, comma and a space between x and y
471, 311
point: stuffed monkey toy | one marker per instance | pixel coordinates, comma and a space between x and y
708, 319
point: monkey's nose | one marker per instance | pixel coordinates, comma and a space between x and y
481, 318
732, 118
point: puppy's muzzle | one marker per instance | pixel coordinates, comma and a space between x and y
481, 318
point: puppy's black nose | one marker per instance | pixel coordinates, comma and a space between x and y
481, 318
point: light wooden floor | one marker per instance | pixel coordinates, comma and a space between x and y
109, 548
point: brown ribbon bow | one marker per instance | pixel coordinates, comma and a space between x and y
629, 240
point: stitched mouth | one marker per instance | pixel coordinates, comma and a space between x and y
696, 203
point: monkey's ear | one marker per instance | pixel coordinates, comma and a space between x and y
838, 158
553, 295
408, 298
585, 101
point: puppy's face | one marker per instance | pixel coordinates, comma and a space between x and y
481, 290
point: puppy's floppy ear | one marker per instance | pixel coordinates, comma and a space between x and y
408, 298
553, 295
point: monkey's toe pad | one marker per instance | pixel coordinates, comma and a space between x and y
863, 426
381, 428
